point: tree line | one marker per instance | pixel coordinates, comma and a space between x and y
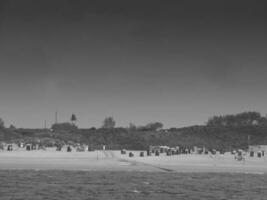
241, 119
220, 132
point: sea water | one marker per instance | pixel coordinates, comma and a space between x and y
77, 185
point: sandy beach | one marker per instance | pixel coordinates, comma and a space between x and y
114, 161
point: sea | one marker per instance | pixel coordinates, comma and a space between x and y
106, 185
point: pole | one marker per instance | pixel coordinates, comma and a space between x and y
56, 117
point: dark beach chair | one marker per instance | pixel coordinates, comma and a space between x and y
9, 147
69, 149
28, 147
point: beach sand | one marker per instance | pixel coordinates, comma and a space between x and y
114, 161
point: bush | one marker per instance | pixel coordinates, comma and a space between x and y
64, 127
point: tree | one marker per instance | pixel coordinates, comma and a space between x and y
92, 128
109, 123
154, 126
2, 124
12, 127
132, 127
73, 118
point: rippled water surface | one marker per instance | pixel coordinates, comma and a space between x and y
73, 185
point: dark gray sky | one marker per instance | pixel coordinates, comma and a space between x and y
138, 61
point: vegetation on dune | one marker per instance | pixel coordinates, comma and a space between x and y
241, 119
73, 118
2, 123
109, 123
65, 127
221, 132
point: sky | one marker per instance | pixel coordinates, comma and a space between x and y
176, 62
